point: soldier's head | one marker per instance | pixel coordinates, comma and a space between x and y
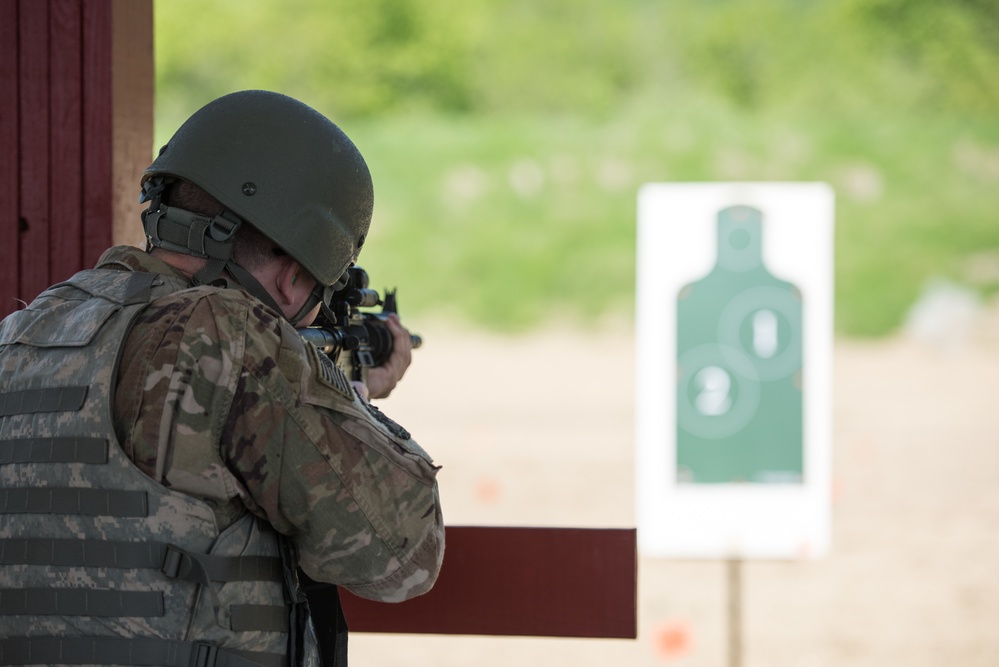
268, 163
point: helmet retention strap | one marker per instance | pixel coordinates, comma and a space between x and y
245, 280
185, 232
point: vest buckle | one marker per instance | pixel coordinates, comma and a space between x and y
172, 561
204, 655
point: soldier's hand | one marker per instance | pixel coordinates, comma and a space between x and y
383, 379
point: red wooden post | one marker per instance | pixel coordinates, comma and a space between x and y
33, 152
9, 181
76, 99
97, 127
65, 138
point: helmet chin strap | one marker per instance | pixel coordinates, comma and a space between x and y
315, 296
244, 279
185, 232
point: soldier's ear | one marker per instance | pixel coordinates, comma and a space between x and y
287, 281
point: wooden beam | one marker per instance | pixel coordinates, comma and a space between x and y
132, 90
544, 582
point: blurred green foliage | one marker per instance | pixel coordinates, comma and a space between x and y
508, 140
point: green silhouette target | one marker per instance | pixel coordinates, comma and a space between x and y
739, 366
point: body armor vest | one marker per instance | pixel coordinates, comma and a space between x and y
100, 564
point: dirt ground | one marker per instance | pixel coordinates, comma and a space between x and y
538, 430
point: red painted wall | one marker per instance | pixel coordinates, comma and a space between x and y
61, 77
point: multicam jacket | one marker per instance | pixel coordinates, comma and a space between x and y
243, 432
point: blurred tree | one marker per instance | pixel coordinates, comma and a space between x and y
354, 57
953, 46
583, 57
892, 101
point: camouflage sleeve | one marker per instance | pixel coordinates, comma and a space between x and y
221, 399
353, 489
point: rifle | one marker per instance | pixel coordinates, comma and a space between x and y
354, 339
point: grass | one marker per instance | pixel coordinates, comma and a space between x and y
510, 222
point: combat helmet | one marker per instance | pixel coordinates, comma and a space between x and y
274, 163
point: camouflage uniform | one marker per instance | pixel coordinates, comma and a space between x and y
220, 398
240, 427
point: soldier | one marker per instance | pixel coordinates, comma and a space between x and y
173, 454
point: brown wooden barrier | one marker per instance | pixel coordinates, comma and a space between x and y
544, 582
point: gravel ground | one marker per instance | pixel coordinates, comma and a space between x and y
538, 430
